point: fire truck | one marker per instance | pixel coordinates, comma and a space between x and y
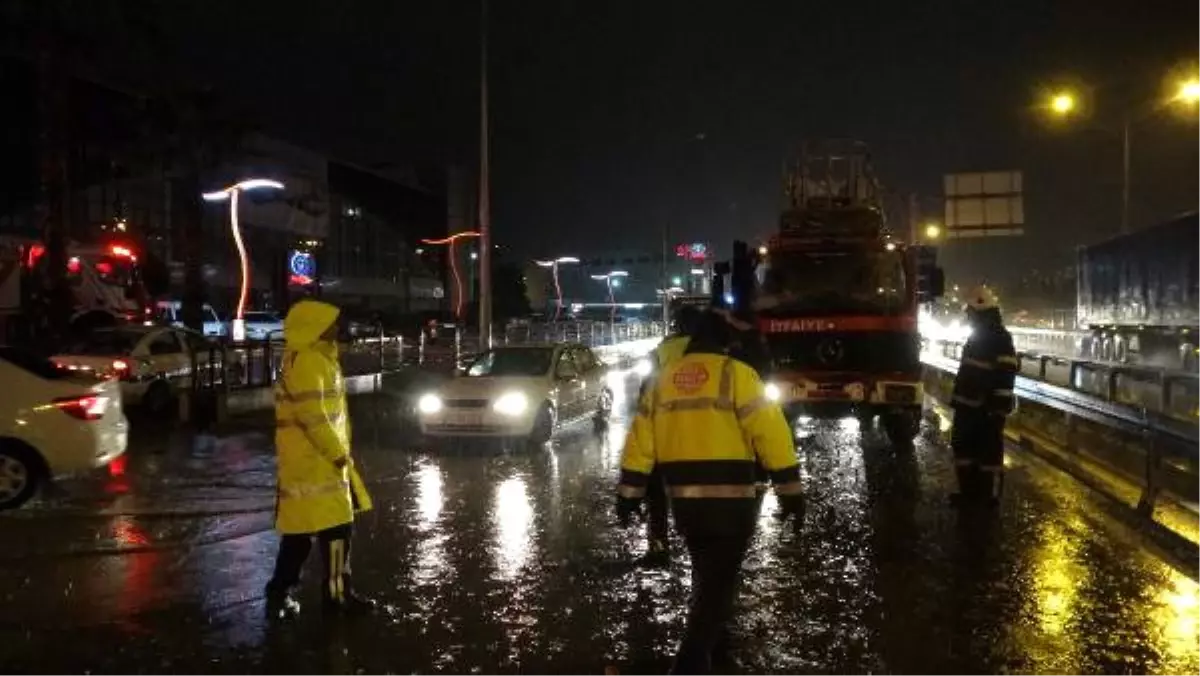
836, 296
105, 281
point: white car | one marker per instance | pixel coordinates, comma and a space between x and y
263, 326
151, 363
53, 422
519, 391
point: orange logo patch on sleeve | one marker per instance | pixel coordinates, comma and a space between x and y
690, 377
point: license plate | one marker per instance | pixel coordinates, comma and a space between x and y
463, 418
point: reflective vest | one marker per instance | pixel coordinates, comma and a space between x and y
707, 425
986, 372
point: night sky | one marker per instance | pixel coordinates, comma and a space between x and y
615, 119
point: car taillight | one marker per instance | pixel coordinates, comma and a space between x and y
91, 407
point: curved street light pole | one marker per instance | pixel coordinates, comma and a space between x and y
451, 254
553, 265
231, 194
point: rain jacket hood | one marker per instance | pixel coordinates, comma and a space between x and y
305, 323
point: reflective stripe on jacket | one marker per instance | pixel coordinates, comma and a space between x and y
707, 424
987, 372
312, 432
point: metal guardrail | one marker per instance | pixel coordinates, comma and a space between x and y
256, 363
1142, 459
1149, 391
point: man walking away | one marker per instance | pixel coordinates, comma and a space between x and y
319, 489
706, 425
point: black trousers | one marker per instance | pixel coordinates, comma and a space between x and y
657, 526
718, 534
335, 556
977, 440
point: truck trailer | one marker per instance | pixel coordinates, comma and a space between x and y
1137, 295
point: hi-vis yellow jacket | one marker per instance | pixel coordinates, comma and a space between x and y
312, 432
707, 424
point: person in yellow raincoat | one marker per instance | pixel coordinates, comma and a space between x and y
319, 489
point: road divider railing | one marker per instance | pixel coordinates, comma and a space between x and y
1144, 459
234, 377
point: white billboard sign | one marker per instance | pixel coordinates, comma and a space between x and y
984, 204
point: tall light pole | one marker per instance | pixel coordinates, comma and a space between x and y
611, 279
553, 265
1064, 104
453, 256
485, 218
230, 195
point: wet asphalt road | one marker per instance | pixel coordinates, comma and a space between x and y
510, 562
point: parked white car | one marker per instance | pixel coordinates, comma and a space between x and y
263, 326
168, 312
519, 391
53, 422
151, 363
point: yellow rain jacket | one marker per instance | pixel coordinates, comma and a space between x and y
670, 350
312, 431
706, 425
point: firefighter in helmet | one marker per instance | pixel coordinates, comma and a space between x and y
670, 350
982, 399
706, 424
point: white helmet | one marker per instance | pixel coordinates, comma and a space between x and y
982, 298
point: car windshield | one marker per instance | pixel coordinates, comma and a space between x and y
512, 362
31, 363
834, 283
106, 343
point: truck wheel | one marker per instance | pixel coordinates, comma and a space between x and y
901, 428
21, 473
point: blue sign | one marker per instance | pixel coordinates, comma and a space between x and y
303, 267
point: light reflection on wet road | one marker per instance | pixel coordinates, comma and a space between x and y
510, 562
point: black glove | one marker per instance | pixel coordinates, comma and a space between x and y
626, 508
791, 506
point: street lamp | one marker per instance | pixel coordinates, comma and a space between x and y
611, 280
230, 195
553, 265
450, 253
1187, 92
933, 231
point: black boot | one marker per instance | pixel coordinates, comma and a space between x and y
351, 604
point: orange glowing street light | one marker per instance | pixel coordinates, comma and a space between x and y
230, 195
553, 265
450, 242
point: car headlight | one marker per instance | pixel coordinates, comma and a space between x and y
772, 391
429, 404
511, 403
643, 367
